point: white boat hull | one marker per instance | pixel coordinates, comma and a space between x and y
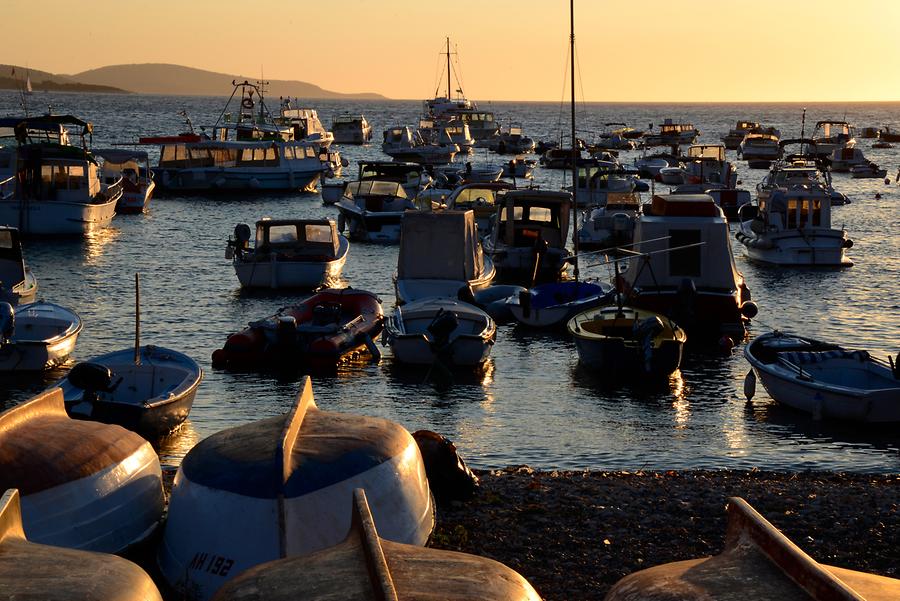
136, 202
236, 178
47, 217
795, 248
276, 274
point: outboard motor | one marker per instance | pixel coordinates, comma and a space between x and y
92, 378
7, 322
242, 235
326, 313
441, 327
645, 331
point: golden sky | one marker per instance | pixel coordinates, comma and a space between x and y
640, 50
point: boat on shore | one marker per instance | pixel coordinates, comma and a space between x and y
824, 379
278, 487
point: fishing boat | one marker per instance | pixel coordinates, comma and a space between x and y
440, 256
868, 170
553, 303
440, 330
372, 210
616, 339
481, 199
317, 334
511, 140
671, 133
17, 282
288, 253
707, 164
824, 379
528, 240
366, 566
831, 135
685, 269
279, 487
402, 144
36, 336
803, 168
351, 129
611, 224
83, 485
793, 227
732, 140
132, 167
758, 562
305, 124
760, 146
34, 571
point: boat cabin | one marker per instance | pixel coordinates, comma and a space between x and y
714, 152
401, 137
670, 128
298, 238
378, 196
833, 131
794, 209
232, 154
64, 173
304, 122
526, 217
746, 126
132, 166
389, 170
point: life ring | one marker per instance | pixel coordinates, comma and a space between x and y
247, 103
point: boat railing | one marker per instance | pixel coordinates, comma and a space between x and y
8, 187
113, 190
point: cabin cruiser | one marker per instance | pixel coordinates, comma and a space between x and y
798, 170
372, 210
57, 189
351, 129
706, 164
759, 146
792, 226
440, 256
446, 132
830, 135
305, 124
683, 268
132, 167
595, 184
649, 165
671, 133
844, 159
511, 140
867, 170
528, 240
735, 136
611, 224
288, 253
481, 199
403, 144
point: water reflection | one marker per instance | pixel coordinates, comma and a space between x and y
99, 242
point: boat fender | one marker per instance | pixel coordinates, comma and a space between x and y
750, 385
7, 321
848, 243
449, 478
749, 309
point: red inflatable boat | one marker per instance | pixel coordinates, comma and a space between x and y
316, 334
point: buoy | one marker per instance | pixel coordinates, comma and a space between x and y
877, 196
750, 385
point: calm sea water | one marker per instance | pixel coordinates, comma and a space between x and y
533, 403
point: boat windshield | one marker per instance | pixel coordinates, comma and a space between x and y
469, 197
715, 151
790, 177
374, 188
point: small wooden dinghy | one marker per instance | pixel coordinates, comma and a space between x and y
444, 330
618, 338
36, 336
366, 567
824, 379
84, 485
32, 571
151, 396
278, 487
759, 563
318, 333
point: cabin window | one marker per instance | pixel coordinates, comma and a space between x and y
288, 153
542, 214
685, 261
6, 239
318, 233
282, 234
517, 214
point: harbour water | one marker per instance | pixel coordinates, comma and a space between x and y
532, 403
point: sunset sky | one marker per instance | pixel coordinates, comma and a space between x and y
648, 50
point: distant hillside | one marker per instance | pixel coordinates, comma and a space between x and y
41, 81
175, 79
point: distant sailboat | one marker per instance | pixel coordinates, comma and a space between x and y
28, 89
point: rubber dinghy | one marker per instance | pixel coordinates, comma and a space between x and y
365, 566
33, 571
279, 487
84, 485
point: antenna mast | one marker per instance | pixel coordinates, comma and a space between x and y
574, 144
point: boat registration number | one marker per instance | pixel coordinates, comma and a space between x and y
213, 564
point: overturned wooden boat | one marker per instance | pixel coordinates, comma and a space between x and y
278, 487
84, 485
366, 567
317, 334
36, 336
759, 563
34, 571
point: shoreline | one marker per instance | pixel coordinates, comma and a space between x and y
573, 534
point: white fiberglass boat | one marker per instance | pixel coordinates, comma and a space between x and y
351, 129
402, 144
132, 168
372, 210
36, 336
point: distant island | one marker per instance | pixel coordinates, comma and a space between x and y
157, 78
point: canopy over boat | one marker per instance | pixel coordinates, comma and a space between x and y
314, 236
120, 155
440, 245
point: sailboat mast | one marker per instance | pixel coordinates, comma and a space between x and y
574, 144
449, 95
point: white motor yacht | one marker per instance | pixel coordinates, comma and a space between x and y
351, 129
402, 144
372, 210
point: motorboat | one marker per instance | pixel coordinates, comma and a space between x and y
672, 134
732, 140
683, 268
824, 379
867, 170
758, 562
36, 336
869, 132
451, 176
324, 330
450, 131
611, 224
594, 185
650, 164
617, 339
553, 303
56, 188
844, 159
760, 146
372, 210
511, 140
366, 566
561, 158
729, 199
519, 168
83, 484
17, 282
440, 256
278, 487
799, 169
306, 125
351, 129
149, 390
413, 177
831, 135
34, 571
528, 239
618, 136
886, 135
132, 168
443, 331
673, 175
481, 199
288, 253
402, 144
706, 164
882, 144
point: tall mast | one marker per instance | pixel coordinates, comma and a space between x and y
574, 144
449, 95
